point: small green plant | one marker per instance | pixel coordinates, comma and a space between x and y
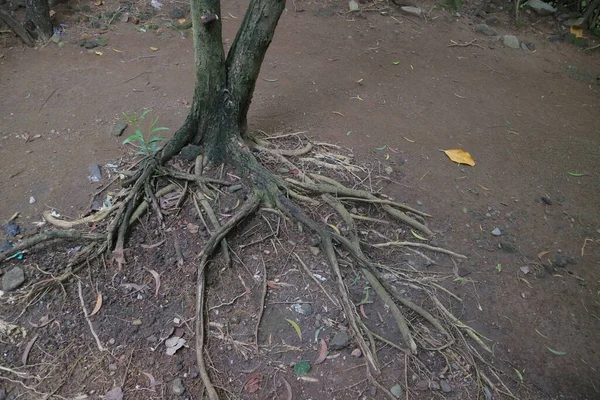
146, 146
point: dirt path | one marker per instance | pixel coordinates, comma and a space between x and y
530, 119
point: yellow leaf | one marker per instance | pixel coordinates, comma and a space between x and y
577, 31
98, 53
296, 327
483, 187
153, 48
513, 132
415, 234
98, 304
387, 156
335, 228
98, 2
408, 140
52, 13
181, 21
117, 51
460, 156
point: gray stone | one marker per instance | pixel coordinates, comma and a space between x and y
303, 308
496, 232
55, 38
397, 391
177, 386
388, 170
446, 388
340, 341
559, 261
325, 12
574, 22
511, 41
177, 13
434, 385
190, 152
95, 173
547, 200
118, 128
486, 30
416, 11
314, 250
13, 279
419, 203
89, 44
540, 8
235, 188
422, 385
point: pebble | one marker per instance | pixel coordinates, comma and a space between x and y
397, 391
137, 322
416, 11
177, 13
118, 128
388, 170
314, 250
177, 386
485, 29
446, 388
31, 200
13, 279
303, 308
496, 232
95, 173
340, 341
419, 203
235, 188
547, 200
511, 41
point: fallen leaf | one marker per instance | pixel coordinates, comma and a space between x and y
302, 368
460, 156
153, 382
396, 62
28, 349
272, 285
114, 394
270, 80
151, 246
381, 148
153, 48
557, 352
408, 140
288, 387
576, 174
295, 325
156, 276
577, 31
45, 320
192, 228
98, 2
98, 304
322, 353
253, 383
117, 51
415, 234
335, 228
181, 21
173, 344
519, 374
513, 132
98, 53
542, 254
362, 311
338, 113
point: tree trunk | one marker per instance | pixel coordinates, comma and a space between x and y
38, 20
224, 86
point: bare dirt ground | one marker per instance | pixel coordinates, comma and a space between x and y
390, 88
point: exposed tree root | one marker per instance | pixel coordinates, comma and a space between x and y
273, 193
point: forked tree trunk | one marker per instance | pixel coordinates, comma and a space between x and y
224, 85
38, 20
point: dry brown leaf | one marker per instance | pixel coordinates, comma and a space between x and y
272, 285
98, 304
289, 389
28, 349
322, 353
577, 31
253, 383
460, 156
542, 254
151, 246
192, 228
153, 382
156, 279
362, 311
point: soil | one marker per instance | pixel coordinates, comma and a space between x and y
393, 88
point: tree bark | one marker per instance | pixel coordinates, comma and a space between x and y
38, 20
224, 87
17, 28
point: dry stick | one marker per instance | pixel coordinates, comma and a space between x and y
471, 43
388, 202
398, 316
249, 207
423, 245
362, 218
143, 207
99, 216
335, 303
87, 318
47, 98
263, 298
193, 177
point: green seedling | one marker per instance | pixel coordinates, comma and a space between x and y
146, 145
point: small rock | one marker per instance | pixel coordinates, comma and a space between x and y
572, 260
559, 261
422, 385
419, 203
55, 38
303, 308
124, 17
112, 367
152, 339
95, 173
13, 279
496, 232
540, 8
511, 41
60, 44
115, 393
118, 128
485, 29
416, 11
31, 200
493, 21
434, 385
137, 322
283, 170
574, 22
340, 341
388, 170
177, 386
507, 247
547, 200
325, 12
177, 13
190, 152
356, 353
397, 391
446, 388
235, 188
89, 44
353, 5
314, 250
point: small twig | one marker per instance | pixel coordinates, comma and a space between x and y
471, 43
138, 75
47, 98
335, 303
87, 318
140, 58
263, 298
592, 48
423, 245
